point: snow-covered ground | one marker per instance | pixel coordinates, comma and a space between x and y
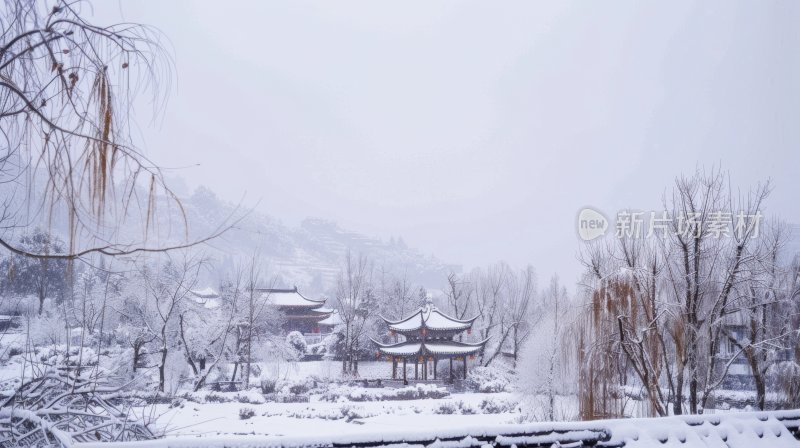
339, 411
739, 430
328, 419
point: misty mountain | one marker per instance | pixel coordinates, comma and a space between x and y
308, 255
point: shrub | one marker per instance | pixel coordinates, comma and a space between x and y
350, 413
268, 385
295, 387
14, 350
487, 380
447, 408
297, 343
454, 407
420, 391
216, 398
246, 413
298, 388
492, 406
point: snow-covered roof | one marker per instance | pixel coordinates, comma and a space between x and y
453, 348
404, 349
290, 298
206, 297
205, 292
430, 348
431, 318
333, 320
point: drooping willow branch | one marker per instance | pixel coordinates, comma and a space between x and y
67, 93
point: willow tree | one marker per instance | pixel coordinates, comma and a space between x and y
67, 93
67, 90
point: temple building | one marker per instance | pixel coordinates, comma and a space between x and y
429, 337
302, 314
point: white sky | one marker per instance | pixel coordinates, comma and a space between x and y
475, 130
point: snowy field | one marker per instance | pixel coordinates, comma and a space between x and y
340, 411
465, 419
327, 419
739, 430
333, 408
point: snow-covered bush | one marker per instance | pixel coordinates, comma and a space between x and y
497, 406
295, 386
246, 413
491, 379
267, 384
417, 392
35, 415
214, 397
249, 396
46, 330
447, 408
297, 344
350, 413
11, 349
346, 412
318, 349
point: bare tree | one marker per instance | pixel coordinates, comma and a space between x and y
757, 307
353, 299
488, 288
669, 296
520, 310
459, 295
165, 290
703, 269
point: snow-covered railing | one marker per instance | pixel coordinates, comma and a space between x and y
736, 430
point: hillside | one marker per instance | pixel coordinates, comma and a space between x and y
308, 255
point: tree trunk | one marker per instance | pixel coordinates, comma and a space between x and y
186, 347
677, 404
693, 378
136, 349
41, 302
161, 369
235, 369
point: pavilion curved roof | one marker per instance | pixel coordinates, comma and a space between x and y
431, 318
435, 347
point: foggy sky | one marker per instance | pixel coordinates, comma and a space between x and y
474, 130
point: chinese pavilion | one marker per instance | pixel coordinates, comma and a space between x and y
429, 337
302, 314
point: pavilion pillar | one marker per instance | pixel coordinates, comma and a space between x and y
425, 370
405, 381
416, 368
435, 360
451, 370
394, 368
465, 367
